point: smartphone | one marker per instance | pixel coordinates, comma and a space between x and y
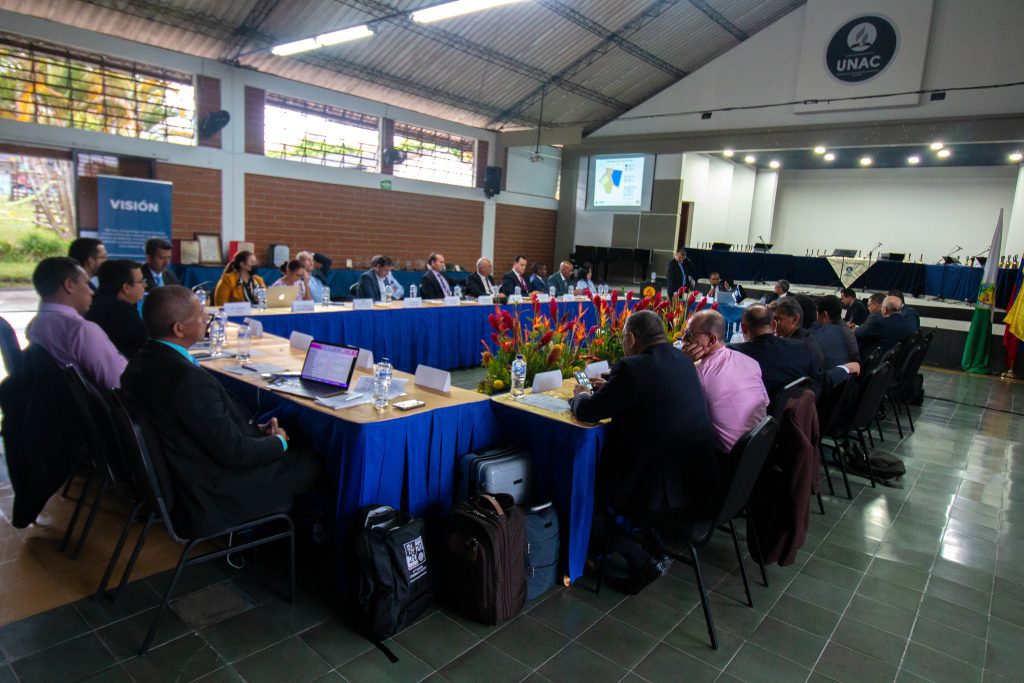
409, 405
581, 378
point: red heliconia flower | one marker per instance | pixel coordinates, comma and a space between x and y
670, 317
597, 301
506, 346
615, 297
691, 299
702, 304
714, 306
555, 354
547, 337
682, 291
643, 304
493, 320
629, 296
593, 329
494, 337
536, 305
657, 298
661, 306
506, 320
553, 309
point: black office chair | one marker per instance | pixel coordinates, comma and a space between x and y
153, 481
10, 350
867, 410
742, 468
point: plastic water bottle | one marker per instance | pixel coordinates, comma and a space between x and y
518, 376
325, 297
412, 291
457, 292
201, 298
389, 292
654, 278
381, 383
243, 344
217, 334
678, 343
551, 291
261, 298
518, 291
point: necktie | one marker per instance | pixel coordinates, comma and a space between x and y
158, 279
444, 284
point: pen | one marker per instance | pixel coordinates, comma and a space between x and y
354, 396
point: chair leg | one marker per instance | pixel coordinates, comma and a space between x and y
167, 597
135, 555
739, 558
828, 473
89, 520
871, 439
604, 555
842, 467
73, 522
821, 503
878, 426
116, 555
291, 561
910, 419
867, 459
896, 416
752, 531
703, 597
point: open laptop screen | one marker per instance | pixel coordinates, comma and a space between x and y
330, 363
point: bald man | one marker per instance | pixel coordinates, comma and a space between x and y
224, 468
886, 330
481, 283
560, 280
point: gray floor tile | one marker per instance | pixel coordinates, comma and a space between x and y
566, 614
843, 664
946, 639
665, 663
484, 662
124, 638
289, 660
802, 647
184, 659
890, 593
69, 661
436, 640
373, 665
804, 615
691, 637
820, 593
211, 605
938, 666
618, 641
576, 662
336, 642
751, 663
244, 634
880, 615
870, 641
37, 633
961, 618
528, 641
648, 615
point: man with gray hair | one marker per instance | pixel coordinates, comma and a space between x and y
481, 283
316, 288
735, 396
659, 455
886, 330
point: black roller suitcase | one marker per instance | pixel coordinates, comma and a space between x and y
542, 546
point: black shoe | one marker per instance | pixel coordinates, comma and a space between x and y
653, 569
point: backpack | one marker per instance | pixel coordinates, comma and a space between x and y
485, 558
541, 549
388, 569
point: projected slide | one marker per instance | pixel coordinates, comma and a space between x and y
618, 181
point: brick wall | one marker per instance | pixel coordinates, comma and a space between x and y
523, 230
254, 120
196, 197
353, 222
207, 102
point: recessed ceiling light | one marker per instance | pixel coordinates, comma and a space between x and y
774, 163
830, 157
750, 158
866, 161
943, 153
819, 150
912, 160
935, 146
1016, 156
727, 153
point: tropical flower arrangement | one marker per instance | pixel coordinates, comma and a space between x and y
550, 342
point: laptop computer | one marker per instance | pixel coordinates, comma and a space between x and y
327, 371
725, 297
281, 296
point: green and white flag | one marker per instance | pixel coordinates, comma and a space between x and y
979, 339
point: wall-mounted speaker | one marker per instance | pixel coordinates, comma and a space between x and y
492, 181
212, 123
393, 157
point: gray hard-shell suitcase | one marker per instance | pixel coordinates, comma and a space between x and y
541, 549
495, 470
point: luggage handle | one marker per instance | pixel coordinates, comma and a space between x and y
493, 501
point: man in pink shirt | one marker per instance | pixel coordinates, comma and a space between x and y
735, 394
60, 328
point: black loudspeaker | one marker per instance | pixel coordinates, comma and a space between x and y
492, 180
212, 123
393, 157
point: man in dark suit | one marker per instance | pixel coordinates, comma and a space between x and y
90, 254
158, 260
787, 315
481, 283
679, 272
434, 284
906, 311
538, 281
115, 308
660, 451
514, 278
560, 280
856, 311
224, 469
886, 330
784, 360
372, 282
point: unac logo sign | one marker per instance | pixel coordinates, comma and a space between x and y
861, 49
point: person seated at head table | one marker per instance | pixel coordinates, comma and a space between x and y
561, 280
239, 281
735, 395
788, 319
434, 284
224, 468
515, 278
70, 339
780, 290
115, 308
659, 453
538, 281
295, 275
481, 282
314, 283
156, 269
837, 341
90, 254
886, 330
373, 282
856, 311
584, 279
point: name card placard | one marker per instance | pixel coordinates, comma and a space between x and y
515, 298
255, 327
547, 381
365, 359
300, 341
432, 378
543, 298
303, 306
237, 308
569, 298
452, 301
362, 304
486, 300
596, 369
413, 302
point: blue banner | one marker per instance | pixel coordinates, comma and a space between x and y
131, 210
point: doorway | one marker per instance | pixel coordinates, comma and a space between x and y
685, 214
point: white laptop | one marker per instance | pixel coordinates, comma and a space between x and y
281, 296
327, 371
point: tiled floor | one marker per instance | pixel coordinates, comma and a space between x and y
923, 582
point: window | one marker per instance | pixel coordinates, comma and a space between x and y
319, 134
56, 86
435, 156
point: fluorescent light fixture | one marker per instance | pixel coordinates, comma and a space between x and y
344, 35
819, 150
935, 146
750, 158
457, 8
943, 153
913, 160
727, 153
1016, 156
866, 161
829, 156
304, 45
774, 163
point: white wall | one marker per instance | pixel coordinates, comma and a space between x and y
762, 210
915, 211
971, 43
723, 199
535, 178
741, 200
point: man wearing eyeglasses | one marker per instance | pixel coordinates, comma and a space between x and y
115, 307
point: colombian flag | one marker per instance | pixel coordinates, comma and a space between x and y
1014, 320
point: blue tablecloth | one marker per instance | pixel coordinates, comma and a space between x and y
736, 265
961, 283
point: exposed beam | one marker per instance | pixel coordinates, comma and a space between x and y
583, 21
638, 21
717, 17
245, 31
389, 14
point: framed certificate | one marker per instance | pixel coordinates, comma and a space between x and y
189, 254
210, 251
